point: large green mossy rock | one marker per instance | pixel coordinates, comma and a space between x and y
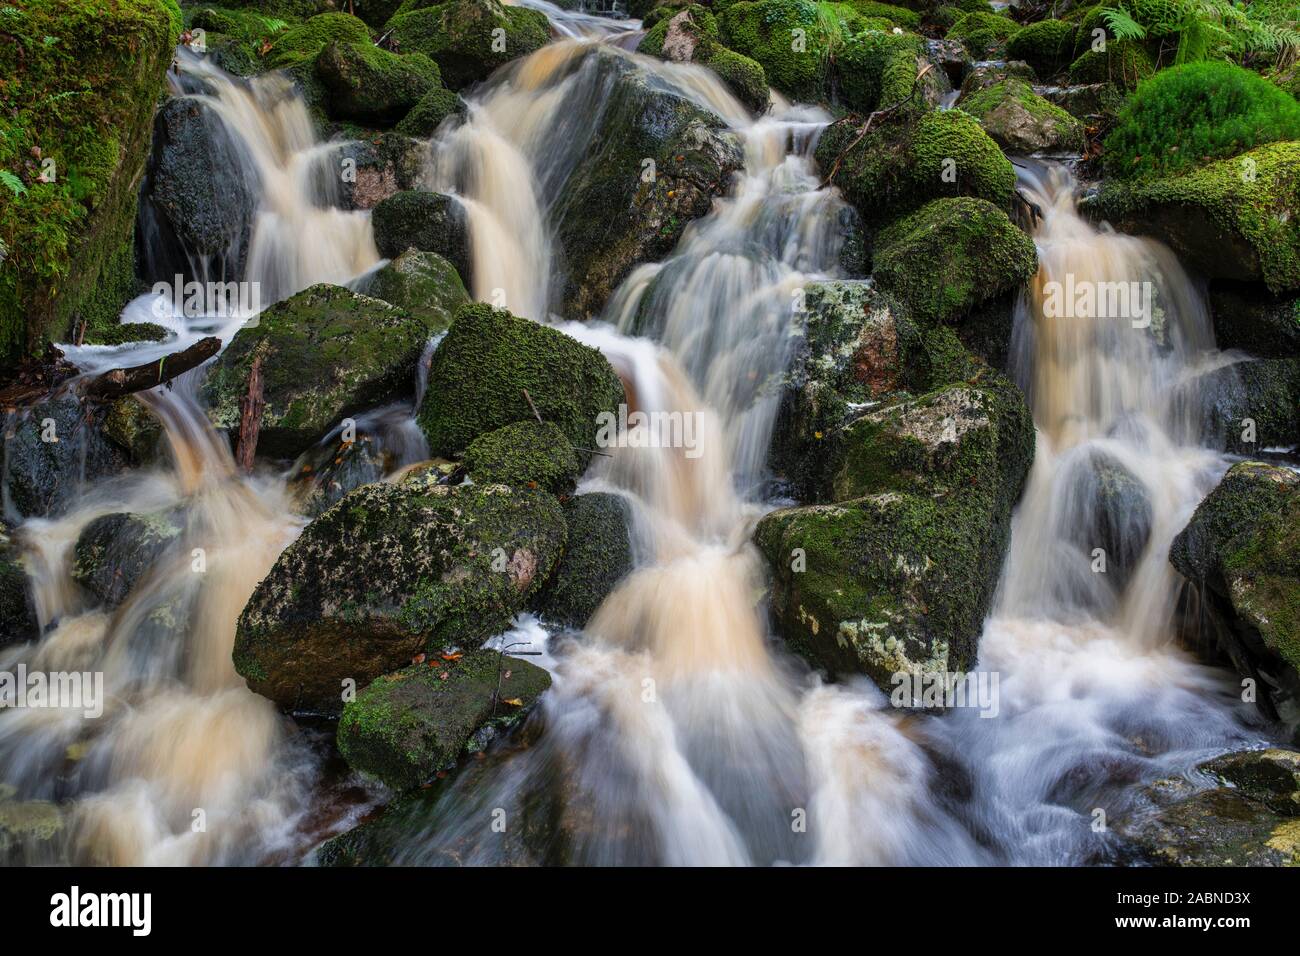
422, 283
367, 84
115, 551
597, 556
1123, 64
326, 353
898, 573
388, 573
529, 454
408, 725
429, 222
984, 34
691, 36
904, 162
302, 42
878, 69
1047, 46
490, 358
791, 39
17, 613
1022, 122
1242, 550
950, 256
81, 81
1231, 219
460, 36
610, 216
427, 115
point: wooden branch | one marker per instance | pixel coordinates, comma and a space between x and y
250, 418
123, 381
536, 414
866, 127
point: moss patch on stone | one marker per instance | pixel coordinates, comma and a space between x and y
528, 454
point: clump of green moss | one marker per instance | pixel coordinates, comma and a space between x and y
1194, 113
1021, 121
424, 284
792, 39
983, 34
1047, 46
530, 454
458, 35
370, 85
427, 115
305, 40
80, 82
878, 69
744, 75
124, 333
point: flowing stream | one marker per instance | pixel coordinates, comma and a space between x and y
677, 731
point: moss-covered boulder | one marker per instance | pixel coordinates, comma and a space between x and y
1047, 46
461, 35
898, 573
1021, 121
422, 283
326, 353
691, 36
427, 115
383, 163
1231, 219
1242, 551
878, 69
81, 81
406, 726
792, 39
127, 333
952, 255
609, 215
904, 162
1246, 316
430, 222
302, 42
597, 556
530, 454
371, 85
17, 613
490, 358
388, 573
984, 34
1122, 64
115, 551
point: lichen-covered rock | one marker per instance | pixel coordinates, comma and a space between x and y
530, 454
422, 283
430, 222
129, 424
608, 217
597, 556
1270, 776
1231, 219
459, 35
406, 726
904, 162
68, 230
326, 353
115, 551
487, 361
17, 614
1047, 46
371, 85
898, 573
384, 164
1021, 121
1247, 317
388, 573
1242, 551
427, 115
950, 256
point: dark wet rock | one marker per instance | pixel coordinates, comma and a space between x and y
51, 449
333, 469
129, 424
17, 612
430, 222
898, 572
951, 57
1270, 776
1241, 550
201, 186
459, 36
1021, 121
327, 353
422, 283
483, 367
1084, 101
368, 84
382, 165
115, 551
408, 725
1119, 513
526, 453
598, 555
1252, 405
388, 573
1248, 317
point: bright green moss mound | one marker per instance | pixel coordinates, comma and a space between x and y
1124, 64
531, 454
899, 16
424, 284
983, 34
1047, 46
1194, 113
792, 39
878, 69
427, 115
235, 37
78, 84
304, 41
951, 255
459, 36
900, 165
1021, 121
371, 85
487, 361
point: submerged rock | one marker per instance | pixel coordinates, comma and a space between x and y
422, 283
597, 556
490, 358
1119, 513
388, 573
115, 551
461, 36
1021, 121
406, 726
528, 454
31, 832
429, 222
326, 352
17, 613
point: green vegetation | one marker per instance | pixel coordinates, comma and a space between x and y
304, 41
983, 34
529, 454
1047, 46
1195, 113
879, 69
1207, 29
458, 35
794, 40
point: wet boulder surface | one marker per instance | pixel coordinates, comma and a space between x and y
429, 222
17, 614
115, 551
597, 555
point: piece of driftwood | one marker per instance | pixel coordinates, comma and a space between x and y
123, 381
250, 417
